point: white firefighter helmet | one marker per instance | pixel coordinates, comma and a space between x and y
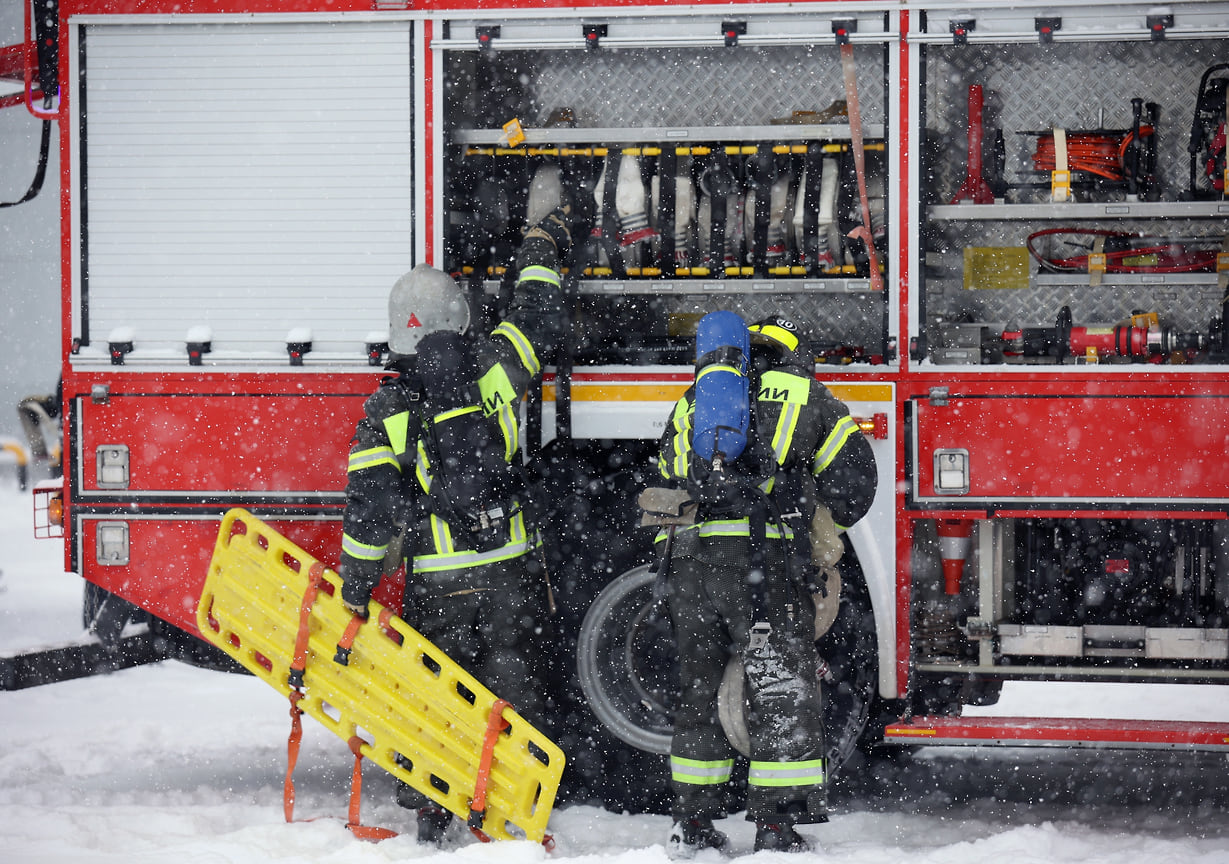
423, 301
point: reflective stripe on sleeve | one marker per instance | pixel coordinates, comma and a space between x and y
360, 460
362, 551
539, 273
808, 773
524, 348
697, 772
832, 445
677, 462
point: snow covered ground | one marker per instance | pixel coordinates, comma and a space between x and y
169, 763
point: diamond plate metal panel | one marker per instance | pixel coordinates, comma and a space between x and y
1076, 86
1029, 87
696, 87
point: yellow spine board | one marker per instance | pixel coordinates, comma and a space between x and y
408, 699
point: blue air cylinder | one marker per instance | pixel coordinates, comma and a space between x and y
723, 413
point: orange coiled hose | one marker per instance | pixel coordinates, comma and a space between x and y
1095, 152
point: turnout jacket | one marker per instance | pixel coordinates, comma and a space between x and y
807, 447
389, 471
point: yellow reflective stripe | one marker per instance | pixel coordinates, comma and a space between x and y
778, 386
362, 551
730, 528
681, 421
787, 423
423, 467
462, 560
698, 772
360, 460
441, 534
516, 528
511, 430
808, 773
772, 331
539, 273
397, 428
832, 445
719, 367
455, 412
524, 348
496, 390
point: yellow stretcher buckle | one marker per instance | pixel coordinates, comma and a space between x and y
398, 693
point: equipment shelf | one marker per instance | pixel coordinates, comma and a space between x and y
1099, 210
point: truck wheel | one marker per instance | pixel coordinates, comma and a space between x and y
626, 659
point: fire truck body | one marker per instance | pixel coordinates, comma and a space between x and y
242, 182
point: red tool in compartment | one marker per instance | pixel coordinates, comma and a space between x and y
975, 187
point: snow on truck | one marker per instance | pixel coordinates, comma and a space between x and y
1004, 229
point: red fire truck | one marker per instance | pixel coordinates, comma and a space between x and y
1003, 228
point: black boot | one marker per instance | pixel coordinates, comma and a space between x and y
432, 823
689, 836
779, 838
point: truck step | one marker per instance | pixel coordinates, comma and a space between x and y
1059, 732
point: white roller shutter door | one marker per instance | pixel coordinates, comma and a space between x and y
252, 178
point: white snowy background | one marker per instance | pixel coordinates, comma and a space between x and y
29, 253
170, 763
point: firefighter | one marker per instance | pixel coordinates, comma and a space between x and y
741, 584
435, 461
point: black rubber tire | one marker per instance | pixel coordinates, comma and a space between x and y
106, 615
852, 653
188, 648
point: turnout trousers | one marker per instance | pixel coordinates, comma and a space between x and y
712, 608
489, 619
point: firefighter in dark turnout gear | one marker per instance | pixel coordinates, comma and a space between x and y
742, 584
436, 461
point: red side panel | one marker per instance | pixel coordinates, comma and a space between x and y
169, 559
1134, 450
227, 444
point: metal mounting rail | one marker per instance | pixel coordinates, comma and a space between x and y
1098, 210
660, 135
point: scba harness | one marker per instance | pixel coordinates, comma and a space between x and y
464, 462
